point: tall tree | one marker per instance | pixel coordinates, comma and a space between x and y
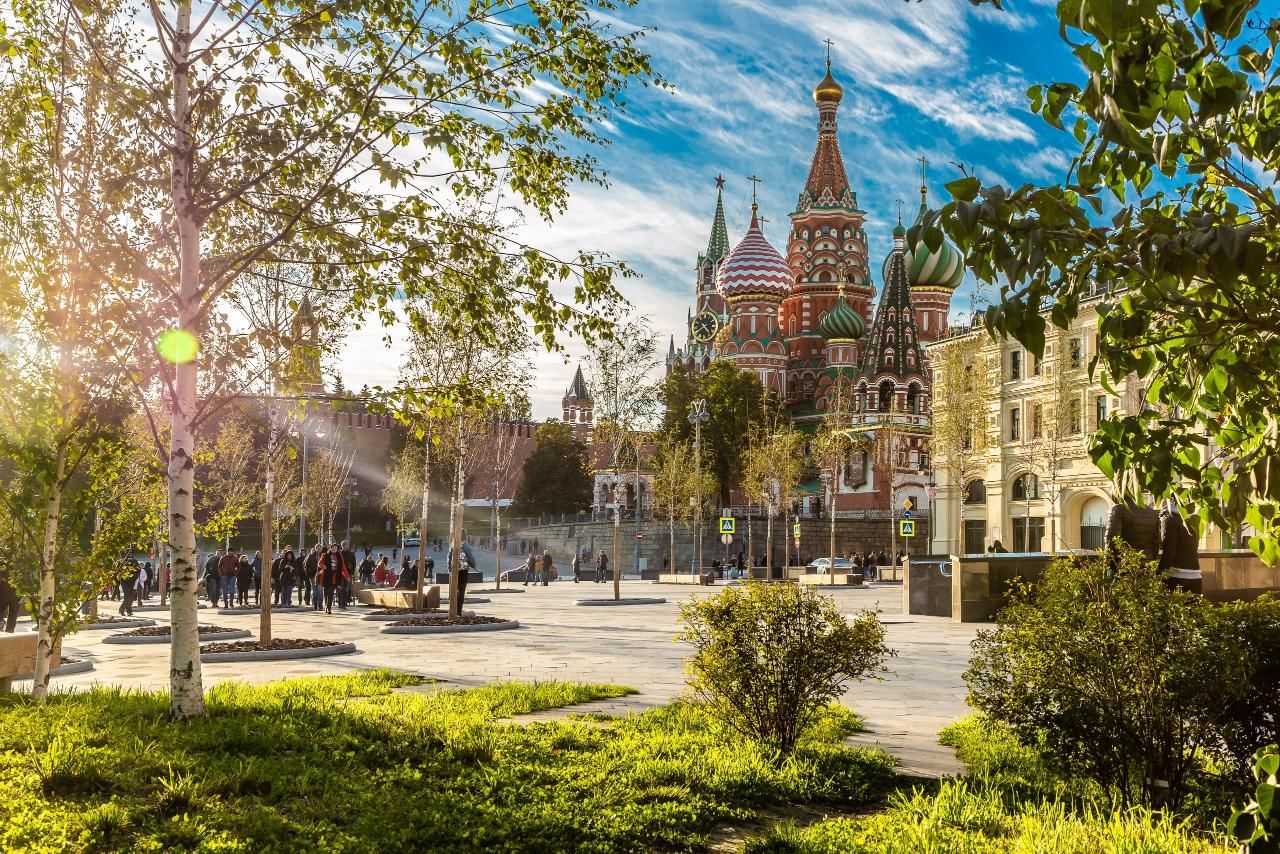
335, 133
556, 477
962, 391
1177, 135
772, 470
736, 405
675, 487
833, 446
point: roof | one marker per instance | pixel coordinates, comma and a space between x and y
578, 388
828, 183
754, 267
893, 334
718, 243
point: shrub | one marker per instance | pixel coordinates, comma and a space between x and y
768, 657
1117, 679
1253, 721
1257, 826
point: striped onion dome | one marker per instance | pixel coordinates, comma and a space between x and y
754, 267
842, 323
941, 268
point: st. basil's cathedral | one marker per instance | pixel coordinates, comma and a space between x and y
801, 321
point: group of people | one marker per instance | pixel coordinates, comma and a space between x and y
230, 577
543, 569
322, 577
134, 581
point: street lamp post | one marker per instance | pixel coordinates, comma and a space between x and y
305, 427
351, 493
697, 415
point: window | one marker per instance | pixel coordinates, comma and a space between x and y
1028, 534
913, 399
1015, 424
975, 536
1035, 366
1015, 365
924, 461
1037, 420
975, 492
1073, 419
967, 443
1026, 487
1100, 408
1077, 353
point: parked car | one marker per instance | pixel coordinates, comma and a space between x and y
822, 565
412, 541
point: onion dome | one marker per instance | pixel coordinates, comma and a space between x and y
754, 267
932, 268
842, 323
828, 91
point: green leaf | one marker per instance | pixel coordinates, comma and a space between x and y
964, 189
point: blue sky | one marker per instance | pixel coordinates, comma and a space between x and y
939, 78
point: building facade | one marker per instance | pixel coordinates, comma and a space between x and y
1033, 487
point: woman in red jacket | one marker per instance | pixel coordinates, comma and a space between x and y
333, 572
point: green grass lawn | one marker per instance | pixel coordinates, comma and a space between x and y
1008, 804
343, 763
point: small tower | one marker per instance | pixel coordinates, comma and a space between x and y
303, 372
893, 365
755, 279
577, 406
933, 274
843, 328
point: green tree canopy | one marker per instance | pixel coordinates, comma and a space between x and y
1178, 137
736, 402
556, 477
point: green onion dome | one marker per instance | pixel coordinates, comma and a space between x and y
937, 268
842, 323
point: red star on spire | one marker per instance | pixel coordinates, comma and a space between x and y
719, 182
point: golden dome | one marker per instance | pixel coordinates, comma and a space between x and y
828, 91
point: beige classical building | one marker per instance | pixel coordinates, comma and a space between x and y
1030, 484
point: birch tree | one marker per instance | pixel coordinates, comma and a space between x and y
772, 470
675, 487
833, 446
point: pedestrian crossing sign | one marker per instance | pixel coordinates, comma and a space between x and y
907, 528
727, 525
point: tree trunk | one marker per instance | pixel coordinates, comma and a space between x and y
831, 510
768, 559
268, 522
186, 693
455, 526
419, 601
617, 554
48, 589
671, 531
93, 602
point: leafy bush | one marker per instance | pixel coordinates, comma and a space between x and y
1257, 826
1253, 721
1117, 679
768, 657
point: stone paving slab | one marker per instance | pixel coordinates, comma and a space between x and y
557, 640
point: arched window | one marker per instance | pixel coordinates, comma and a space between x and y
1093, 522
975, 492
886, 395
1026, 487
913, 400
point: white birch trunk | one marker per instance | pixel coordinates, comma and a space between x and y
617, 554
186, 693
455, 525
419, 600
48, 554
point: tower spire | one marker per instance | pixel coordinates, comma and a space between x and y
718, 243
924, 189
755, 183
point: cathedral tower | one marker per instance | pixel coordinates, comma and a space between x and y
826, 234
932, 274
754, 280
576, 406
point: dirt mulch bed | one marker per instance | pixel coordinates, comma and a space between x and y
105, 619
388, 612
276, 644
451, 621
165, 631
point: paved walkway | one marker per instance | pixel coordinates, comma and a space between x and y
558, 640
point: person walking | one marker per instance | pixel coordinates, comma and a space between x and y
129, 570
309, 568
380, 571
348, 573
602, 566
366, 568
211, 577
530, 567
9, 602
577, 567
257, 578
333, 575
228, 566
244, 580
285, 574
148, 578
547, 566
466, 563
142, 583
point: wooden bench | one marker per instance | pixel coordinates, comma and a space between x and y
853, 579
18, 657
388, 597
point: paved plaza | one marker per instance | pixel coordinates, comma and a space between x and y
559, 640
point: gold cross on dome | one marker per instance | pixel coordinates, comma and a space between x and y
900, 204
754, 183
830, 44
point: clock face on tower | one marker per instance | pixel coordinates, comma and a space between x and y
704, 326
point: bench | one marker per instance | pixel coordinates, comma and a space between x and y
387, 597
474, 576
853, 579
18, 657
